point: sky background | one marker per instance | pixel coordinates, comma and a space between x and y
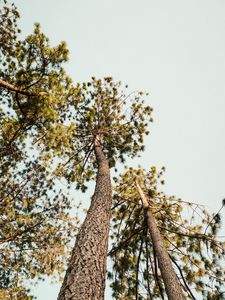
173, 49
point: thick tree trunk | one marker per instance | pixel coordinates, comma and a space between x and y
85, 276
171, 282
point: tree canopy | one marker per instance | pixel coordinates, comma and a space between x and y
101, 108
34, 222
189, 233
48, 131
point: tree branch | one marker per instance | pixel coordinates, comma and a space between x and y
12, 88
124, 242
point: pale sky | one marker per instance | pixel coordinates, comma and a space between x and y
173, 49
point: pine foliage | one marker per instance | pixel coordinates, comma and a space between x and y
35, 227
189, 233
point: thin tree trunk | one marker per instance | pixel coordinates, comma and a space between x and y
171, 282
85, 276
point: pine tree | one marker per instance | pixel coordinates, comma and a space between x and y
189, 235
108, 125
170, 280
35, 227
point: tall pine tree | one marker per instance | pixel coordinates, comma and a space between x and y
108, 125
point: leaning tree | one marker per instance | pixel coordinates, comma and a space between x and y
144, 234
108, 125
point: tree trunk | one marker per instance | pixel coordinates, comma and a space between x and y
171, 282
85, 276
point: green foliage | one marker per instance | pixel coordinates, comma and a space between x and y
102, 110
36, 69
189, 234
35, 228
48, 130
8, 28
15, 292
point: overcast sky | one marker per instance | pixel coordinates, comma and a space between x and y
173, 49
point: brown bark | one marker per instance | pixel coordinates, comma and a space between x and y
85, 276
12, 88
171, 282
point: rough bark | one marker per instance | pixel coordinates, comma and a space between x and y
85, 276
171, 282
